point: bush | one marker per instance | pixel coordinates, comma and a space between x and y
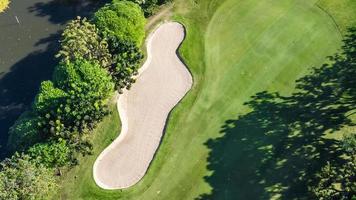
20, 178
3, 5
24, 132
52, 154
122, 19
49, 97
48, 106
80, 40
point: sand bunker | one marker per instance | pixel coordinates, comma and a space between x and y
162, 83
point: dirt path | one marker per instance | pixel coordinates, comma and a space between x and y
163, 14
162, 83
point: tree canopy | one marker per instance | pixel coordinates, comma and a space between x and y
21, 178
24, 132
122, 19
75, 101
81, 40
51, 154
125, 62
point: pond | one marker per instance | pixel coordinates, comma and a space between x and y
29, 35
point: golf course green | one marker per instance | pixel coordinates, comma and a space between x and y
232, 136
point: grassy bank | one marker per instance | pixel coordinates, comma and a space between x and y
216, 146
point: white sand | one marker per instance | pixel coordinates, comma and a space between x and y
162, 82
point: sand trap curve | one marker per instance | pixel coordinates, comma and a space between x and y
162, 82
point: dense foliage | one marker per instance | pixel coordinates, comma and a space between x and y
4, 4
125, 62
121, 19
52, 154
49, 98
24, 132
75, 101
81, 40
22, 178
93, 62
94, 59
149, 7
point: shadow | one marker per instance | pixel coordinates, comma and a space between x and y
275, 151
19, 86
61, 11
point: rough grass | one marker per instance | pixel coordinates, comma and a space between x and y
216, 146
342, 11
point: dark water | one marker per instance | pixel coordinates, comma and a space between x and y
27, 52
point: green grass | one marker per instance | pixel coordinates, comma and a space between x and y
234, 50
342, 11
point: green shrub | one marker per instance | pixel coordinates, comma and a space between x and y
48, 106
21, 178
122, 19
24, 132
51, 154
49, 97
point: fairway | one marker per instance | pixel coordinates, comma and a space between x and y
216, 146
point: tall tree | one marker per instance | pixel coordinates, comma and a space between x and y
126, 58
81, 40
87, 88
21, 178
122, 19
24, 132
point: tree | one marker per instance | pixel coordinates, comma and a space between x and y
24, 132
49, 97
49, 107
84, 78
148, 6
73, 103
122, 19
88, 87
126, 60
81, 40
52, 154
21, 178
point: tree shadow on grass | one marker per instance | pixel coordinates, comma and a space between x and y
274, 151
